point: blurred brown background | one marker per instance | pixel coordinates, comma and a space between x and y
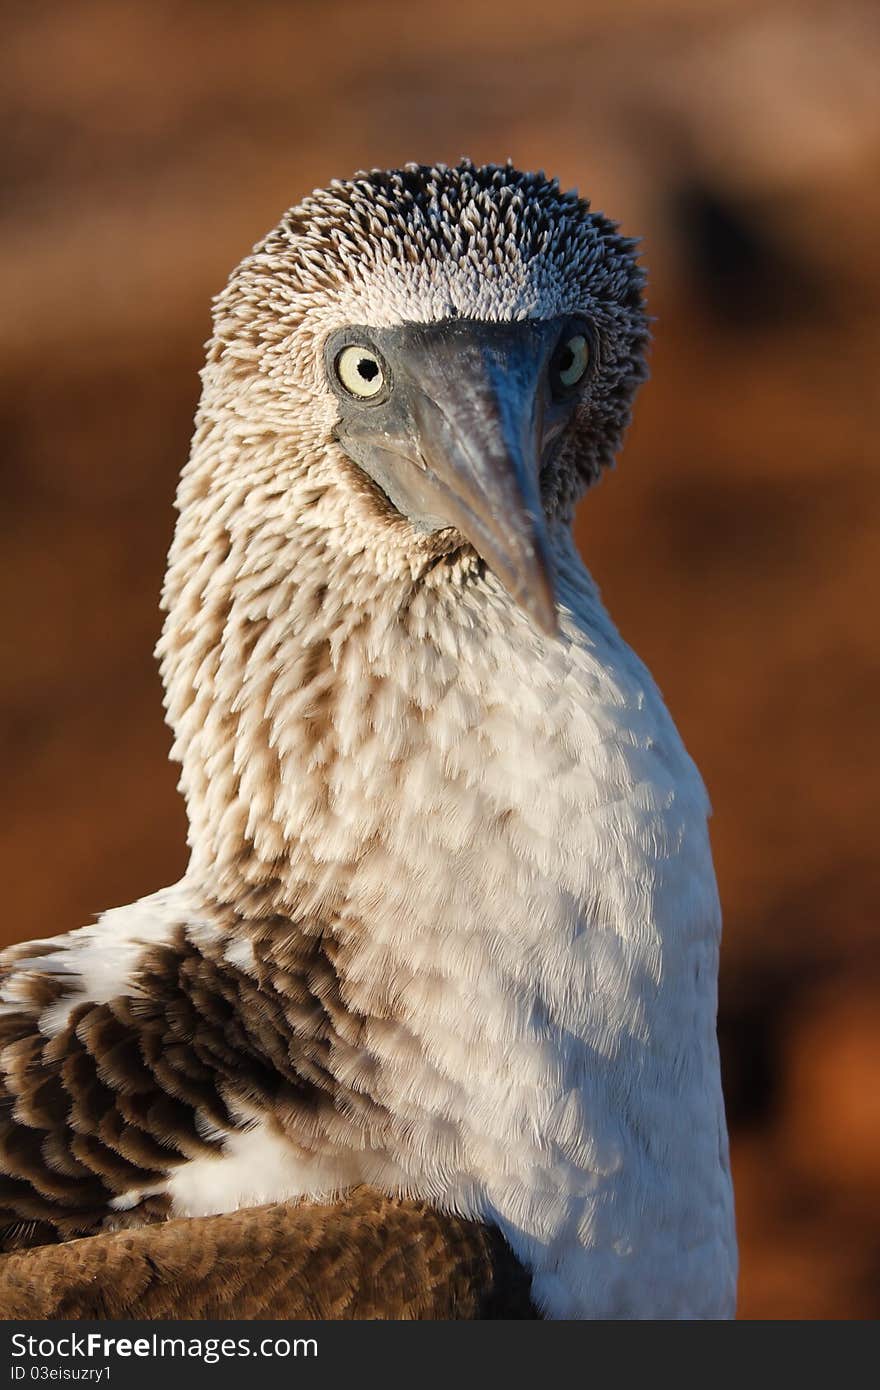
147, 145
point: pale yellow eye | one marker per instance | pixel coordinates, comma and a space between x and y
572, 359
360, 371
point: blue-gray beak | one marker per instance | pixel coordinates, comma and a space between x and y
457, 440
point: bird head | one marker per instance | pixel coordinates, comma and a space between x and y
438, 361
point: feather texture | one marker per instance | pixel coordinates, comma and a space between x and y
450, 925
365, 1257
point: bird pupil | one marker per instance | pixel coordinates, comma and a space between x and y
368, 369
566, 359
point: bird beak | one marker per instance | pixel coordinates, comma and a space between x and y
460, 446
478, 419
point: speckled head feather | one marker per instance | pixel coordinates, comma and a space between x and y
429, 243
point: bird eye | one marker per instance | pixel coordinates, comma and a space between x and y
569, 363
360, 371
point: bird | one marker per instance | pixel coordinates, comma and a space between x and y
449, 930
362, 1257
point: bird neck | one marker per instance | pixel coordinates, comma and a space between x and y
304, 680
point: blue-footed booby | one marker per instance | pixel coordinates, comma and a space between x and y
450, 925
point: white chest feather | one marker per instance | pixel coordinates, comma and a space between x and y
548, 916
533, 899
531, 925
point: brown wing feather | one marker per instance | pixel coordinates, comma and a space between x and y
365, 1257
119, 1096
